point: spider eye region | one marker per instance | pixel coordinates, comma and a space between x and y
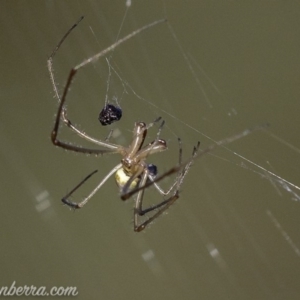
110, 114
122, 178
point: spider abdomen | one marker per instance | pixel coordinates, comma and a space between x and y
122, 178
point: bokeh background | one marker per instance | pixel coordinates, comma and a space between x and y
234, 233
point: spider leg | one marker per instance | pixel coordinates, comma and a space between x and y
50, 59
118, 43
61, 114
75, 205
139, 211
65, 199
165, 204
185, 166
157, 186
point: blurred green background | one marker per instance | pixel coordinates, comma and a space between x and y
234, 233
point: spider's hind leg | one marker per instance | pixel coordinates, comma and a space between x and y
162, 207
165, 204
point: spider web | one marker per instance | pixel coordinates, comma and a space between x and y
214, 70
198, 103
128, 95
206, 94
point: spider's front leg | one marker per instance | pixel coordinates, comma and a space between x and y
62, 112
62, 115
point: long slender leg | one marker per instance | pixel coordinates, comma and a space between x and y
95, 190
65, 199
157, 186
164, 205
62, 110
118, 43
183, 168
186, 165
60, 114
167, 203
50, 59
139, 211
181, 173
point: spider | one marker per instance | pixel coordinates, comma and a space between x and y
133, 174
